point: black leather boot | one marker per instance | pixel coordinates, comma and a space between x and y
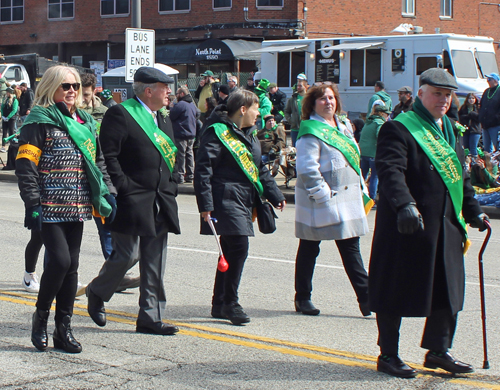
63, 336
39, 336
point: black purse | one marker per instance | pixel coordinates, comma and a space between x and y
266, 217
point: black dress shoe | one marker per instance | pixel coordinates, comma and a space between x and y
95, 308
234, 313
39, 336
365, 309
393, 365
306, 307
63, 336
447, 362
156, 328
217, 312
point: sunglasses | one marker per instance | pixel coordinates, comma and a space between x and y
67, 86
320, 83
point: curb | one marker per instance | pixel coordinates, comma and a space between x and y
188, 189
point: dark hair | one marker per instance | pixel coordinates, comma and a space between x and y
211, 104
380, 84
316, 92
467, 100
239, 99
89, 80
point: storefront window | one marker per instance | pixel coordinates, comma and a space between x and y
61, 9
174, 5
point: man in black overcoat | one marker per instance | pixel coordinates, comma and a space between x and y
146, 205
417, 264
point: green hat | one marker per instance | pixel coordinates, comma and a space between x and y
208, 73
264, 84
106, 93
9, 90
302, 76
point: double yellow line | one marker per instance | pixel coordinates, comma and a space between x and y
330, 355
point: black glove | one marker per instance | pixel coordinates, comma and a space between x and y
479, 222
33, 218
409, 219
112, 202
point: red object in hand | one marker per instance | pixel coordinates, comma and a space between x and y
222, 265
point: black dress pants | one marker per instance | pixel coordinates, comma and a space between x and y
235, 249
351, 258
62, 242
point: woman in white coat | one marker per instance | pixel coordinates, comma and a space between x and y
329, 198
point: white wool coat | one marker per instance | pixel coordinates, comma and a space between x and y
328, 196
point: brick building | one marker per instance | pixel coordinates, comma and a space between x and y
80, 31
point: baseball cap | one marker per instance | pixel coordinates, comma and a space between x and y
379, 105
208, 73
302, 76
493, 76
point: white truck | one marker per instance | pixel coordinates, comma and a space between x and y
356, 63
28, 68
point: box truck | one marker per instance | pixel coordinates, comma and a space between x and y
356, 63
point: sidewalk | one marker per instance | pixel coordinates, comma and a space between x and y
493, 212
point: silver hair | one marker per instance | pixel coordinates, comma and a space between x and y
140, 88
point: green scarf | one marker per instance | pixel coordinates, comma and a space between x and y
422, 112
83, 135
240, 153
440, 152
333, 137
160, 140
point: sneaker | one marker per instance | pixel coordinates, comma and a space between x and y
30, 282
3, 150
80, 289
234, 313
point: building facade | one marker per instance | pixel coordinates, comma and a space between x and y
85, 31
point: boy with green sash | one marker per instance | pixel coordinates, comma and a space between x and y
426, 199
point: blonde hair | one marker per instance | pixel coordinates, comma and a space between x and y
51, 81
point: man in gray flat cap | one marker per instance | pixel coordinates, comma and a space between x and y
405, 101
137, 143
426, 200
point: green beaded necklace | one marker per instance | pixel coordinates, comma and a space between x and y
496, 89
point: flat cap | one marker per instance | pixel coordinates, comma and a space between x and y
149, 75
272, 85
439, 78
405, 89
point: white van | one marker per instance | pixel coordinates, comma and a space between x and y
356, 63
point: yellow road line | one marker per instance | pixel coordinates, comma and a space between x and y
343, 358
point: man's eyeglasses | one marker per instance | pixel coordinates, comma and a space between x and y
67, 86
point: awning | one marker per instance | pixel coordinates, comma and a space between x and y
120, 72
353, 46
207, 50
281, 49
243, 50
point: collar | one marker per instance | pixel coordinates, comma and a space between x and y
149, 110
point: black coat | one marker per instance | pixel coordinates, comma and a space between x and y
489, 113
183, 117
470, 119
139, 173
403, 267
222, 187
278, 100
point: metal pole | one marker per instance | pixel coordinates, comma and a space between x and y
136, 13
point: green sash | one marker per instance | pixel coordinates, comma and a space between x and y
333, 137
442, 156
240, 153
160, 140
83, 137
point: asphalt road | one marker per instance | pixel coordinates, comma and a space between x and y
278, 349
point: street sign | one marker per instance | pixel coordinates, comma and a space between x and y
139, 50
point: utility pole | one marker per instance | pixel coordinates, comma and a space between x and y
136, 14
